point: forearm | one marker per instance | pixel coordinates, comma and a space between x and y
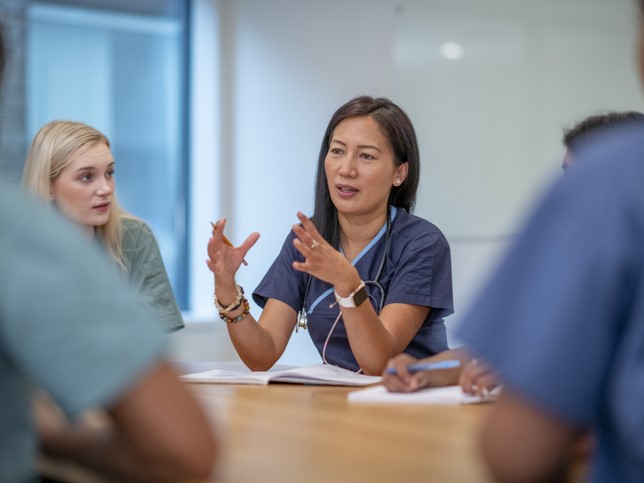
254, 344
103, 451
447, 377
155, 431
376, 338
259, 346
371, 343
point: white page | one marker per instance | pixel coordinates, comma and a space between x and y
324, 374
434, 395
318, 374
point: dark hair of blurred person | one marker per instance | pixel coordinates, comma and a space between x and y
595, 125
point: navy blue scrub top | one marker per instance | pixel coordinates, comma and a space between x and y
417, 271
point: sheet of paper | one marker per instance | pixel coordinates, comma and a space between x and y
318, 374
434, 395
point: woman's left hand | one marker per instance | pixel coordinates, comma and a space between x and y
478, 378
321, 260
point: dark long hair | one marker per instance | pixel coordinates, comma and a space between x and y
397, 128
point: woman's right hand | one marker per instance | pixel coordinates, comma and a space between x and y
402, 380
405, 381
224, 260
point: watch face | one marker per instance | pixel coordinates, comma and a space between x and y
360, 296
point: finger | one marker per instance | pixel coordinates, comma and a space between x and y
420, 380
304, 237
469, 375
394, 384
307, 249
212, 248
465, 378
218, 230
477, 382
475, 372
218, 226
308, 225
488, 382
466, 381
248, 243
400, 364
399, 380
214, 255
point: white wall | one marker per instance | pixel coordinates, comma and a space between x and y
489, 124
284, 66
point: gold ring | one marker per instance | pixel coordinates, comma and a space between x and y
314, 244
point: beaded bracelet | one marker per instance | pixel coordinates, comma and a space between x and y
234, 320
233, 306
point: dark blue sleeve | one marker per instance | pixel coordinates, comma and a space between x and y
282, 281
549, 319
423, 274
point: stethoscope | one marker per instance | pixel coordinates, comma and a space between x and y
302, 321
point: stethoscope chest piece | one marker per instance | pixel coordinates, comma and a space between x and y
302, 321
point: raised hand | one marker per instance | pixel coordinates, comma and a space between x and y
224, 260
321, 259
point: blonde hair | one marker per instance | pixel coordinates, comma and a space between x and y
51, 150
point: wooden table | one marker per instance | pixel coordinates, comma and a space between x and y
293, 433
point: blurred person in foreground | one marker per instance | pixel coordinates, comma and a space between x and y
562, 322
475, 375
69, 325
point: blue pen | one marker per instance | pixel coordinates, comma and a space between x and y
428, 366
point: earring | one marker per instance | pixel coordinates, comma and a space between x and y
397, 182
51, 196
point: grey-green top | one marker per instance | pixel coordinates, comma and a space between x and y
147, 274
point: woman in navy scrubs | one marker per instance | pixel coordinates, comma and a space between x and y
371, 279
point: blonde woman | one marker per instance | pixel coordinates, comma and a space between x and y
70, 166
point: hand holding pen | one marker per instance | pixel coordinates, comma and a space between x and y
407, 374
224, 259
228, 242
427, 366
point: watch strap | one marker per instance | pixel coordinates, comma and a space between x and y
355, 298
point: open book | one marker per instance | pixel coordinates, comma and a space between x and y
318, 374
433, 395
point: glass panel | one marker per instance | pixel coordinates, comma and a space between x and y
122, 74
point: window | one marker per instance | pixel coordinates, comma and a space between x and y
125, 74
